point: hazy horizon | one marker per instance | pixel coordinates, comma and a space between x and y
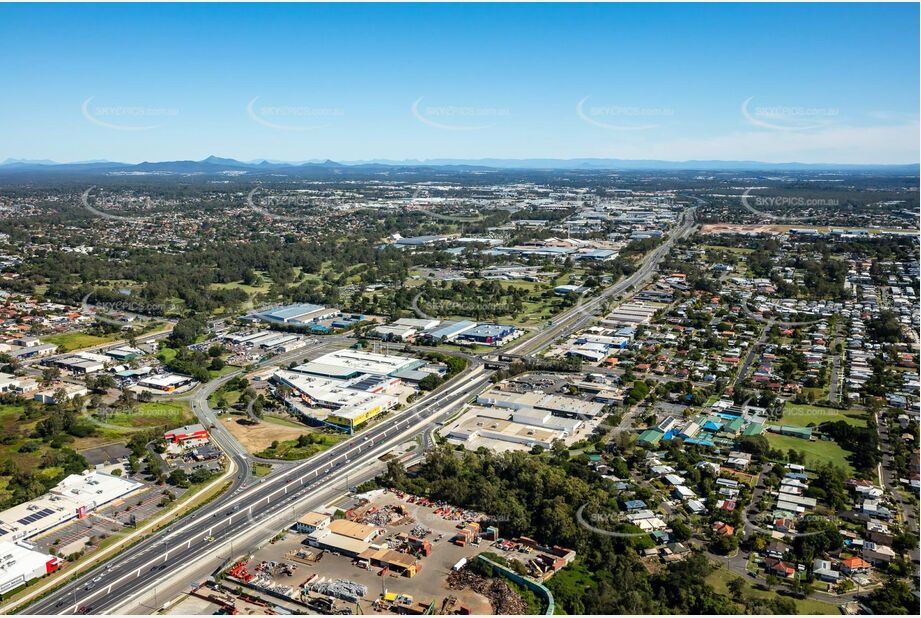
775, 83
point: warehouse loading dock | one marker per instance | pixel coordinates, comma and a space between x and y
395, 561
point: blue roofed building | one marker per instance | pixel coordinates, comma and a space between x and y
489, 334
635, 505
597, 255
450, 331
347, 321
301, 313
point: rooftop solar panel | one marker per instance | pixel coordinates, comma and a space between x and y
28, 519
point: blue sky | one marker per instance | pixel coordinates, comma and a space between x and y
811, 83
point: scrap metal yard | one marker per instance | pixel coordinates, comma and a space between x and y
378, 552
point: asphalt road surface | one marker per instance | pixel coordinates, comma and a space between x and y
247, 503
141, 566
576, 317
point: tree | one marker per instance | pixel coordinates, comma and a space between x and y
155, 468
756, 445
50, 375
893, 598
724, 545
201, 475
185, 332
60, 396
429, 382
639, 392
885, 327
736, 586
178, 478
680, 530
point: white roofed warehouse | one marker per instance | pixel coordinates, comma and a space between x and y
72, 498
19, 565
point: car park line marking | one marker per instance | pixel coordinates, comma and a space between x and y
228, 523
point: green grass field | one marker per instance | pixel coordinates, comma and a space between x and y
222, 371
239, 285
167, 354
67, 342
720, 577
251, 290
738, 250
261, 469
230, 396
802, 415
27, 453
816, 452
166, 414
288, 449
10, 409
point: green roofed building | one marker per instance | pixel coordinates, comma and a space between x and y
734, 426
792, 430
650, 437
753, 429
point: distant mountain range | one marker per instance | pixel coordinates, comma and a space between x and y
219, 165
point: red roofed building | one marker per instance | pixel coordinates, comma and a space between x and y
781, 568
184, 434
855, 564
723, 528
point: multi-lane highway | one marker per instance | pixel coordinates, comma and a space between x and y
240, 510
223, 438
576, 317
195, 536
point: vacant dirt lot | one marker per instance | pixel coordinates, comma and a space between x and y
257, 438
729, 228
